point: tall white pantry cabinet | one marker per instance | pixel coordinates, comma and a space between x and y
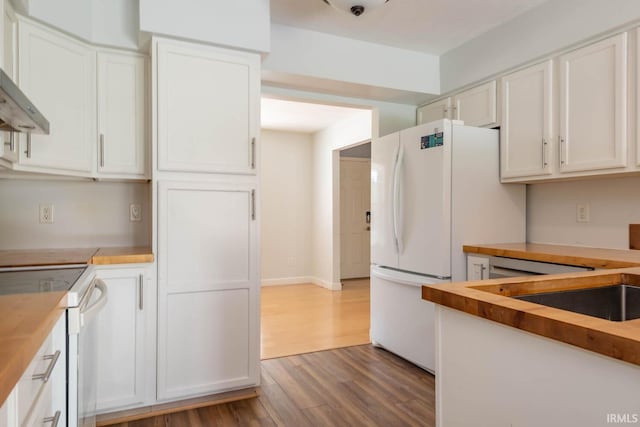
205, 183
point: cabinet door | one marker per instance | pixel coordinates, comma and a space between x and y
435, 111
121, 114
121, 332
9, 143
58, 74
477, 106
593, 106
526, 131
477, 267
207, 109
208, 285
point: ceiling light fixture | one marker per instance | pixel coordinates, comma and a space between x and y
355, 7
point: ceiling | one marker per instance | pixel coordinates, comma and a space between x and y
429, 26
304, 117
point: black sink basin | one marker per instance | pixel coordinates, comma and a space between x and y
617, 303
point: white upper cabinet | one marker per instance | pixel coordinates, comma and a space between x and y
122, 136
58, 74
477, 106
526, 133
208, 104
9, 143
637, 77
435, 111
593, 106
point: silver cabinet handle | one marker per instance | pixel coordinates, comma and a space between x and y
45, 376
53, 420
561, 144
544, 153
253, 153
101, 150
140, 292
253, 205
28, 152
12, 142
482, 270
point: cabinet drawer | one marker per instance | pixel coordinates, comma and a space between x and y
49, 357
43, 411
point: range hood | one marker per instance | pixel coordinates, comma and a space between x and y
17, 113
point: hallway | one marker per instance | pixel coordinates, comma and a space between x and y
304, 318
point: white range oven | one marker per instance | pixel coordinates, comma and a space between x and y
86, 295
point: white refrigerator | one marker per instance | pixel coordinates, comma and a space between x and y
434, 188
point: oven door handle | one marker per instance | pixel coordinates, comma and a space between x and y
90, 310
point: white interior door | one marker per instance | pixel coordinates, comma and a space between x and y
355, 202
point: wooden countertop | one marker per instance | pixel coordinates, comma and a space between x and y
122, 255
490, 299
37, 257
99, 256
559, 254
27, 319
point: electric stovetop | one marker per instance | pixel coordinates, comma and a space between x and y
44, 280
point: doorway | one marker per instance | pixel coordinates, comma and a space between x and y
355, 212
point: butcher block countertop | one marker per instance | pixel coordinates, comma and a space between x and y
122, 255
491, 299
99, 256
27, 319
44, 257
559, 254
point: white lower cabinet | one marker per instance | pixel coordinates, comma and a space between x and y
40, 397
122, 330
477, 267
208, 288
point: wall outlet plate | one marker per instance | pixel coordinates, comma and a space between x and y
582, 213
46, 213
135, 212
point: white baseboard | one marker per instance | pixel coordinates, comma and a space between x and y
328, 285
281, 281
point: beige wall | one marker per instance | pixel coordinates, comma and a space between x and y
614, 203
86, 214
286, 207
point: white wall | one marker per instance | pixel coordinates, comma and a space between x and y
86, 214
240, 24
549, 27
311, 53
286, 207
326, 186
614, 204
106, 22
388, 117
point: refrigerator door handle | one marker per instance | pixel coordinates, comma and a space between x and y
397, 208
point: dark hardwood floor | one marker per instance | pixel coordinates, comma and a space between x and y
352, 386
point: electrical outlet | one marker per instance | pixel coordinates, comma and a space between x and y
46, 213
582, 213
135, 212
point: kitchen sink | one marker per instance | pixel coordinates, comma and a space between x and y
617, 302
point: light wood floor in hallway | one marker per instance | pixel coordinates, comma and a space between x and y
304, 318
352, 387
